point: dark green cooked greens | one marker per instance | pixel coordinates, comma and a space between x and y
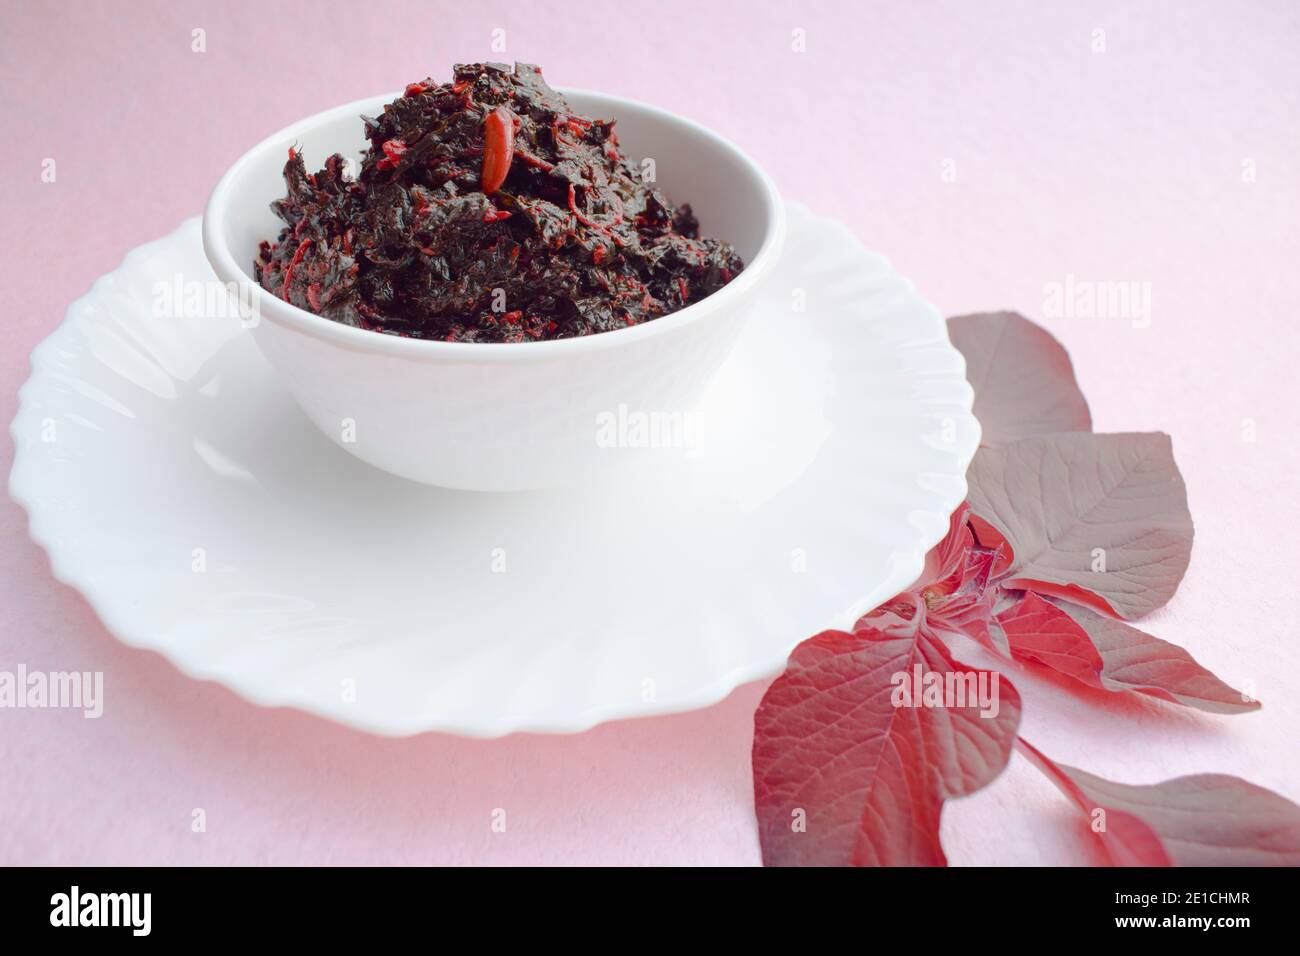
486, 210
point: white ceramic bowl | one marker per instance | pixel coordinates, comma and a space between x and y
499, 416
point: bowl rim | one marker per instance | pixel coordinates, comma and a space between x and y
298, 319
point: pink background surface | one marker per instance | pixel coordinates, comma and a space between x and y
1125, 164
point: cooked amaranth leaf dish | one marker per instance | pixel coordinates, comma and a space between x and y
486, 210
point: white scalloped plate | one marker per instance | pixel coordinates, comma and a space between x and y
175, 484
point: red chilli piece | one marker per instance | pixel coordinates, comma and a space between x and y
498, 148
394, 149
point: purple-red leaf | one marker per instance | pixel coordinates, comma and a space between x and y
945, 560
952, 596
1111, 655
990, 537
1099, 520
968, 609
1208, 819
848, 772
1023, 380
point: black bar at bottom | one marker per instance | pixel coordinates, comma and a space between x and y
333, 906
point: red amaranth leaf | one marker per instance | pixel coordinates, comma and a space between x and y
1207, 819
952, 595
842, 776
1023, 380
993, 539
1068, 503
945, 560
967, 609
1111, 655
